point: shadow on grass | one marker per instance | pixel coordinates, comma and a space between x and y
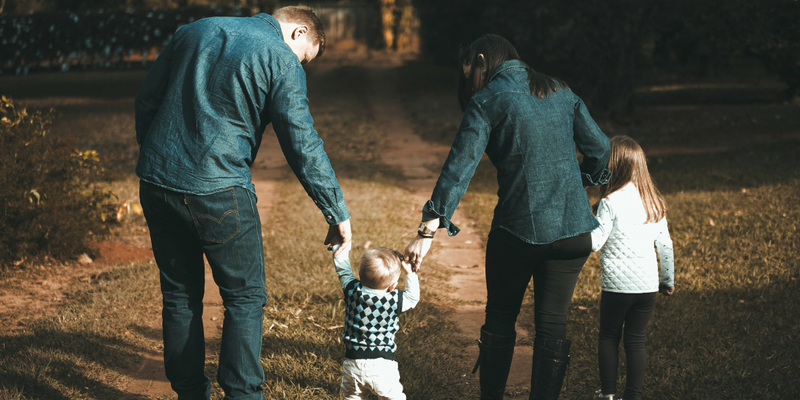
147, 332
748, 167
53, 364
725, 342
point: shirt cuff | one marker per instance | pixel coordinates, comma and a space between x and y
336, 215
429, 213
605, 175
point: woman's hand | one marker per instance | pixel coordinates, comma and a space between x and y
416, 251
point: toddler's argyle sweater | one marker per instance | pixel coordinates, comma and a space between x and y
370, 323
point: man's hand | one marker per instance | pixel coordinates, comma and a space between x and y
416, 251
340, 234
666, 290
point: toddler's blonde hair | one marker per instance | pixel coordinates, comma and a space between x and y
380, 267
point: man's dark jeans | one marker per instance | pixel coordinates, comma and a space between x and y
225, 227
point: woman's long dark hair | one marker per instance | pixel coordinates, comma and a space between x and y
497, 50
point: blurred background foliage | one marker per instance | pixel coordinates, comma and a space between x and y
605, 49
53, 202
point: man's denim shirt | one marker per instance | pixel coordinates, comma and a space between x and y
202, 110
531, 142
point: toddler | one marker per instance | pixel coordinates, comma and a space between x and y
371, 321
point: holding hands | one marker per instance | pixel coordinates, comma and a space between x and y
419, 246
340, 234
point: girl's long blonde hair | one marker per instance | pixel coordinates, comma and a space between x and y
627, 163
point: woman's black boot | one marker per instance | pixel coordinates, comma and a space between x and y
495, 363
550, 361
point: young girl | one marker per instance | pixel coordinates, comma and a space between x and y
632, 217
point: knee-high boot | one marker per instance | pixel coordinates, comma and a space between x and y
495, 363
550, 361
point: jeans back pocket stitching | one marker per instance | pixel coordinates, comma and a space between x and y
235, 210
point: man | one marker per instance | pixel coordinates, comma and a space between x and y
200, 114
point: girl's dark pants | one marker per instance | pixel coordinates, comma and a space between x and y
633, 311
510, 265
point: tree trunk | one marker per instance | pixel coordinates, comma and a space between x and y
387, 22
405, 33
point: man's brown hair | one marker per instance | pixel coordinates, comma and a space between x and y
304, 15
380, 268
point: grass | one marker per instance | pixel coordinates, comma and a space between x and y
82, 348
729, 174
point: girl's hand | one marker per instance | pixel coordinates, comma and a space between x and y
416, 251
666, 290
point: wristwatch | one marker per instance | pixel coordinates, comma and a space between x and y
425, 232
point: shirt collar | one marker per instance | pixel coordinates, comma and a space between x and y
507, 65
269, 19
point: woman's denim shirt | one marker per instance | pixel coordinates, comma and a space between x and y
203, 108
531, 142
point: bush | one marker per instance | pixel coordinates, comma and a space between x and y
51, 202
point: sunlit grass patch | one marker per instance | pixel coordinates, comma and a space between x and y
84, 348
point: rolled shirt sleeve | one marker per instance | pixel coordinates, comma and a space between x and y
302, 146
465, 155
594, 146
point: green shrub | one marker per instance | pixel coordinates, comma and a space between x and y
50, 202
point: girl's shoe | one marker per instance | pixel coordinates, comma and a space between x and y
599, 395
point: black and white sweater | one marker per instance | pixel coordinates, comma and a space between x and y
371, 316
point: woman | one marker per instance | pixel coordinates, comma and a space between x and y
528, 124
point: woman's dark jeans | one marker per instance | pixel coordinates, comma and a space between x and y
225, 227
510, 264
634, 312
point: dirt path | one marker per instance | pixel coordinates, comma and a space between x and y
463, 254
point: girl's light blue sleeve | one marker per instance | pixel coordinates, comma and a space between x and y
343, 267
411, 292
605, 216
666, 257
